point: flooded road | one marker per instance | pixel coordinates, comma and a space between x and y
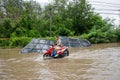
98, 62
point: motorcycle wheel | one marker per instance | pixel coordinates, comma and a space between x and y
47, 56
66, 52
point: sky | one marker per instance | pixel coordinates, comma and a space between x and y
106, 8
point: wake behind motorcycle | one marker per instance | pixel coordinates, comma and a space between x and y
51, 53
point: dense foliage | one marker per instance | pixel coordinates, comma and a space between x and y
20, 21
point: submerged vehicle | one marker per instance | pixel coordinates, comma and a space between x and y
51, 53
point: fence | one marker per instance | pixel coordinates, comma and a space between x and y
39, 45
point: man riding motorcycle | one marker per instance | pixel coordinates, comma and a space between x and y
57, 45
56, 51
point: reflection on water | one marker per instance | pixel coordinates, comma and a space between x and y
98, 62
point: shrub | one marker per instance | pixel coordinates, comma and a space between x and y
19, 42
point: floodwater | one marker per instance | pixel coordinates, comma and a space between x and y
98, 62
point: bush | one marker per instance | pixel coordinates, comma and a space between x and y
100, 36
19, 42
4, 43
118, 34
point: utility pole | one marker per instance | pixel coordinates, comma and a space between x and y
50, 22
51, 18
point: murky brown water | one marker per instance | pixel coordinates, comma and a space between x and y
98, 62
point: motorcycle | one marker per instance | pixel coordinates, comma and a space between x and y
51, 52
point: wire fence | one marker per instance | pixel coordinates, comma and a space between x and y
40, 46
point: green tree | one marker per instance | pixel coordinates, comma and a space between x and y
5, 28
80, 12
11, 9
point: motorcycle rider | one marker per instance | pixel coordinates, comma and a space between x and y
58, 44
58, 41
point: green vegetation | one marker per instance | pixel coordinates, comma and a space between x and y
20, 21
